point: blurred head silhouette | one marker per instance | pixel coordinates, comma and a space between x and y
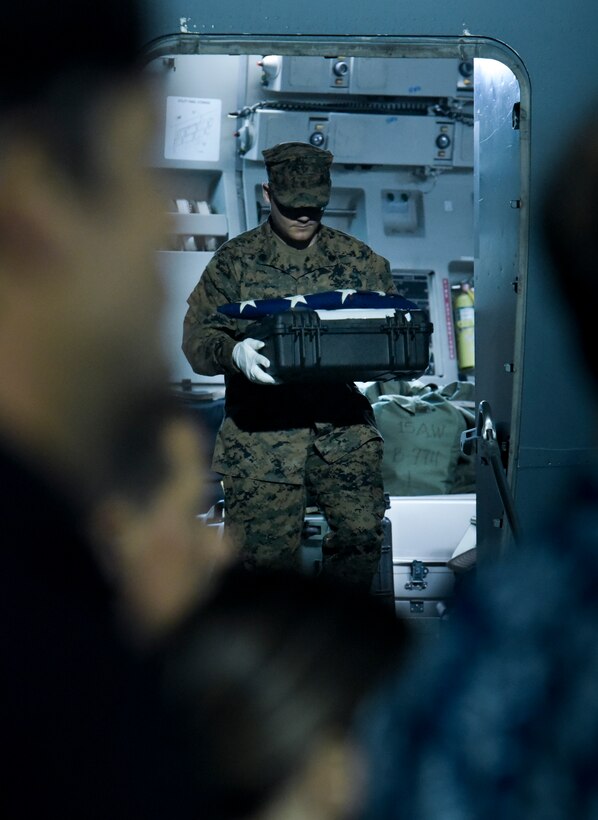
268, 680
80, 345
80, 295
148, 533
502, 722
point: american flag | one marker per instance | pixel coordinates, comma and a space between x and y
327, 300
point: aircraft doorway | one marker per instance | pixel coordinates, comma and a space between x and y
430, 169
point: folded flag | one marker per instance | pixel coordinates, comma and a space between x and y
327, 300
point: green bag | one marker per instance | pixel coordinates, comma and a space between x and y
422, 427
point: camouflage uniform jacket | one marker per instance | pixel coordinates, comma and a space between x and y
268, 428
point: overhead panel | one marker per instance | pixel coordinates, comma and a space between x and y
372, 139
409, 77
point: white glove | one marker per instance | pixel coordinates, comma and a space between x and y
250, 362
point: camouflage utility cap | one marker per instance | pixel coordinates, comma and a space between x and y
299, 174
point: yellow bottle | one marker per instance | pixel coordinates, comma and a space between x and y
465, 327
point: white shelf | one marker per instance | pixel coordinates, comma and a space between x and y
199, 224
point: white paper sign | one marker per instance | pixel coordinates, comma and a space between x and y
192, 129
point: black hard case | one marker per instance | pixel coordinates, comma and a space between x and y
315, 528
303, 347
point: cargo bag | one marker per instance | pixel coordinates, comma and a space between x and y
421, 428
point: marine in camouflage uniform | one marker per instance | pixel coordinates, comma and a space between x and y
280, 445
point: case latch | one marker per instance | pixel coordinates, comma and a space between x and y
418, 572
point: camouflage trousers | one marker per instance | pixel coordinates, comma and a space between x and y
264, 519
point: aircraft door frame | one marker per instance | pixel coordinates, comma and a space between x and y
501, 216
